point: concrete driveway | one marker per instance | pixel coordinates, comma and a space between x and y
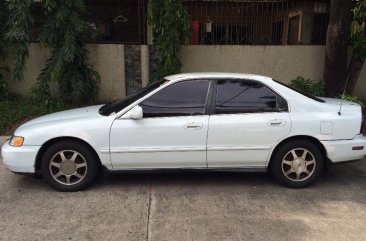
187, 206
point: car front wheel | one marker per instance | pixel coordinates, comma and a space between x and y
69, 166
297, 164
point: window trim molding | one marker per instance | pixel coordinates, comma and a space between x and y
299, 34
213, 103
207, 105
210, 102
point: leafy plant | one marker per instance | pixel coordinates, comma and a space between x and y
3, 29
16, 109
358, 41
351, 98
65, 34
317, 88
358, 30
19, 22
170, 21
3, 82
3, 50
309, 86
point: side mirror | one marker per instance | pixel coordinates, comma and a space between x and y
135, 113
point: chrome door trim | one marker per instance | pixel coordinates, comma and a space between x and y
150, 150
237, 148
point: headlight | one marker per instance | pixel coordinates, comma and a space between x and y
16, 141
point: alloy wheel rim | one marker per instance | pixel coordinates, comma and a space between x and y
298, 164
68, 167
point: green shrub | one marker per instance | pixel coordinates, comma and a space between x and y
17, 109
3, 50
65, 33
170, 20
317, 88
309, 86
3, 83
352, 98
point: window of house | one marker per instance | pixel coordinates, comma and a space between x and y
320, 25
119, 21
116, 21
277, 32
179, 99
245, 96
256, 22
294, 29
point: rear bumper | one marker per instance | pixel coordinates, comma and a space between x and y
19, 159
341, 150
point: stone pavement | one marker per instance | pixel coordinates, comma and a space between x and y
186, 206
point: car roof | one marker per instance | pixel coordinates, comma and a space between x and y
200, 75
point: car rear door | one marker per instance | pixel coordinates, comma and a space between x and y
172, 133
247, 120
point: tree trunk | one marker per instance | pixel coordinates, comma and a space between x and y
355, 67
353, 73
335, 68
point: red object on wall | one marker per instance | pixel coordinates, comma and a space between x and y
195, 28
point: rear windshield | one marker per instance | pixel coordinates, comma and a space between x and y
301, 92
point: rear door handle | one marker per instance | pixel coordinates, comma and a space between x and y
277, 122
193, 126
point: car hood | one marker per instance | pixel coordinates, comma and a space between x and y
90, 111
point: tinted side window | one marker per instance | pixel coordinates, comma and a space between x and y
244, 96
180, 99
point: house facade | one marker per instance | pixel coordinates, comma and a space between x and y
278, 38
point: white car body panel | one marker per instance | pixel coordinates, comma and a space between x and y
82, 123
128, 144
20, 159
165, 142
339, 150
237, 140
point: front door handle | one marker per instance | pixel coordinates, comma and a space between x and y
277, 122
193, 126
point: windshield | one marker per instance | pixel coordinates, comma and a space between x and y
301, 92
108, 109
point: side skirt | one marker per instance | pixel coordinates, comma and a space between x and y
179, 170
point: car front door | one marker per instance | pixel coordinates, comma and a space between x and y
171, 134
248, 119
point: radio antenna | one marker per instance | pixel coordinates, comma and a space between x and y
342, 96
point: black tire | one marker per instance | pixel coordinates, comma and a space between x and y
286, 171
85, 165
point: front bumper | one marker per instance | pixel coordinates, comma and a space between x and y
341, 150
19, 159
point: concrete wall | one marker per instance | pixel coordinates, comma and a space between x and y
283, 63
33, 66
107, 59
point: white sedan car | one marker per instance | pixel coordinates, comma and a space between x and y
208, 121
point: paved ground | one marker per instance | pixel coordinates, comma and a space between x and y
186, 206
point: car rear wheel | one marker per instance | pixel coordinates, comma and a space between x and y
69, 166
297, 164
